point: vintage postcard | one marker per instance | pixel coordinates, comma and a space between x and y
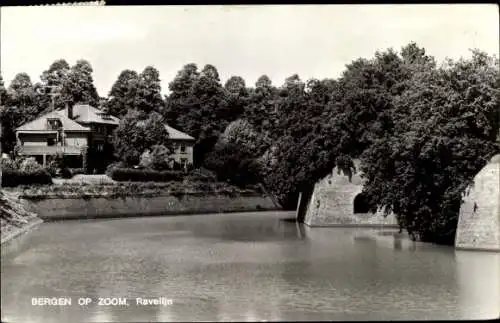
260, 163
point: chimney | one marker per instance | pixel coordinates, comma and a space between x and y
69, 107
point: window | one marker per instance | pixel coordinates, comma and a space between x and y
100, 129
104, 115
183, 149
100, 147
54, 124
184, 161
51, 142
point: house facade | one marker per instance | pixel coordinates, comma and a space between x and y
182, 145
69, 131
77, 130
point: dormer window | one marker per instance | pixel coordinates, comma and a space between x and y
104, 115
54, 124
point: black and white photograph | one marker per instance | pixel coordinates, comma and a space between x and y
230, 163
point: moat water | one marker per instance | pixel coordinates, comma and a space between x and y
240, 267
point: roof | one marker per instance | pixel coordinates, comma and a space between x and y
88, 114
176, 134
172, 132
40, 124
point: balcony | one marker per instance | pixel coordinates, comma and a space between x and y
50, 150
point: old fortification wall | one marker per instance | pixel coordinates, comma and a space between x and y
332, 203
102, 207
479, 221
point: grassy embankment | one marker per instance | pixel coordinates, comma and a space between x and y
13, 217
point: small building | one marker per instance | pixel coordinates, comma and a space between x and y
70, 131
183, 146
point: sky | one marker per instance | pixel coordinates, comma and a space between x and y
314, 41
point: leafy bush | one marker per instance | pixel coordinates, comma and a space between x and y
142, 175
58, 166
136, 133
232, 164
12, 178
52, 168
157, 158
8, 164
201, 175
118, 164
241, 133
76, 171
177, 166
66, 173
30, 165
59, 161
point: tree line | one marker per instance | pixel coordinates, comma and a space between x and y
422, 130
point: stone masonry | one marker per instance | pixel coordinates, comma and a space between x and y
332, 203
479, 221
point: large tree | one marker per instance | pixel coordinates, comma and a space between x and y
48, 91
19, 108
148, 96
78, 85
137, 133
121, 97
198, 105
56, 73
303, 151
235, 154
181, 100
21, 91
210, 119
3, 92
260, 110
446, 124
237, 98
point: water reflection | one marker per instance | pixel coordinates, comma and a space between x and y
481, 296
242, 267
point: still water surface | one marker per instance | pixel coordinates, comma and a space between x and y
241, 267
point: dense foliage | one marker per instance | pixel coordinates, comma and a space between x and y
446, 126
144, 175
13, 178
234, 157
137, 133
158, 158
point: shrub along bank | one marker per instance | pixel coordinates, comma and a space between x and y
136, 189
144, 175
12, 178
124, 174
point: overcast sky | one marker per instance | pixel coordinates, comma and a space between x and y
313, 41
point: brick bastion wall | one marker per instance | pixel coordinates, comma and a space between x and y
333, 200
58, 208
479, 221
